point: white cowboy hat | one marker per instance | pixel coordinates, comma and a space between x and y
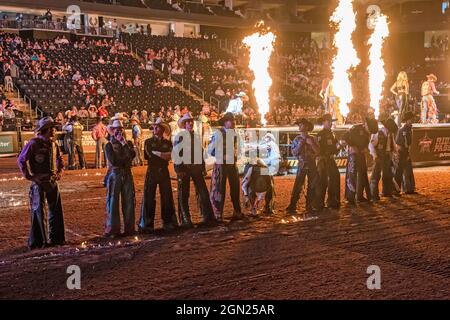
270, 136
116, 124
241, 94
118, 116
186, 117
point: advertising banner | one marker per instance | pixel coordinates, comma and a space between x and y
431, 145
8, 143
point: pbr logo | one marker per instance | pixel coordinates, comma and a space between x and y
425, 144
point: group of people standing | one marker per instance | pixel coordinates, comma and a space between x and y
429, 111
389, 147
41, 162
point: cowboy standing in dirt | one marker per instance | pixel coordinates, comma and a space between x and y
158, 153
120, 184
41, 162
225, 168
191, 165
306, 149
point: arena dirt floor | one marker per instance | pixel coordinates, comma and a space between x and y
275, 257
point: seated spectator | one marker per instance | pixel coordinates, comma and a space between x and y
83, 113
9, 113
76, 76
92, 110
101, 91
137, 81
73, 112
128, 83
102, 112
144, 117
101, 60
219, 92
27, 125
149, 65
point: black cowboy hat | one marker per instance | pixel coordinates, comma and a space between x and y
306, 123
326, 117
390, 124
408, 116
44, 123
227, 117
372, 125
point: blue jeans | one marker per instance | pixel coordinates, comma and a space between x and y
120, 191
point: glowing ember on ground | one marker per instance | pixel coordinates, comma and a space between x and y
261, 47
376, 70
344, 17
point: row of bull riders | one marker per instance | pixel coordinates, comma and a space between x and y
41, 162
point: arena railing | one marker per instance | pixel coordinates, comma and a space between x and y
215, 102
29, 102
56, 26
196, 90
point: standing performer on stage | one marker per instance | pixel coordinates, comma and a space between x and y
429, 108
225, 168
401, 91
331, 102
306, 149
382, 147
41, 162
356, 179
322, 94
158, 152
120, 185
404, 175
329, 176
190, 165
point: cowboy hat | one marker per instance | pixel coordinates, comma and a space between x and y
270, 136
164, 125
257, 161
186, 117
326, 117
408, 116
116, 124
306, 123
229, 116
118, 116
390, 124
44, 123
372, 125
432, 77
241, 94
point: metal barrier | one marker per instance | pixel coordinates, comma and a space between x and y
56, 26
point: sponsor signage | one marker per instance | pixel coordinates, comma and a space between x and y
8, 143
430, 145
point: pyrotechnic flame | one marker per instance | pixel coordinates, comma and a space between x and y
346, 57
261, 48
377, 73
